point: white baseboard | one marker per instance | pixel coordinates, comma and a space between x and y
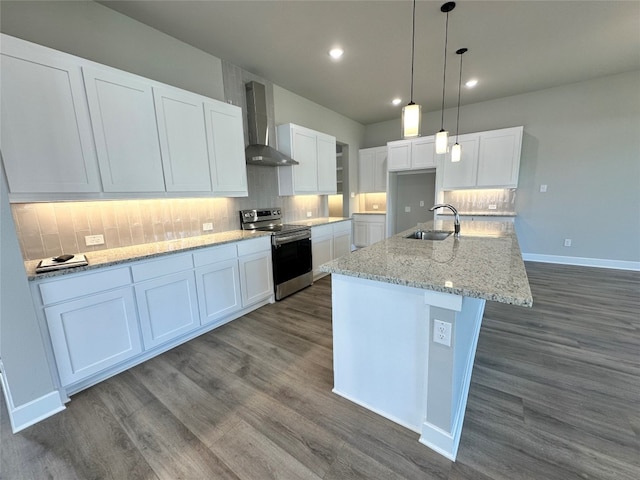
439, 441
582, 261
31, 412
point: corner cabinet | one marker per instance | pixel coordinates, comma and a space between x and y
368, 229
316, 154
329, 242
490, 159
415, 154
372, 170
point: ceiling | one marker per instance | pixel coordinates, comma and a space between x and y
514, 46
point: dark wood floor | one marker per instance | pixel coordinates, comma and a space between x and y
555, 395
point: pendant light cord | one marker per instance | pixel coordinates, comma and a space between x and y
459, 87
444, 70
413, 45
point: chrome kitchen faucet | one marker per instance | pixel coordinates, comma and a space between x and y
456, 221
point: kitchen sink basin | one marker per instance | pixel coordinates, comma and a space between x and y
430, 234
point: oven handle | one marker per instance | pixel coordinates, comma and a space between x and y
293, 237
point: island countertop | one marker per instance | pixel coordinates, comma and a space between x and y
485, 262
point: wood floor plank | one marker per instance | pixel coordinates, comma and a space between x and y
554, 395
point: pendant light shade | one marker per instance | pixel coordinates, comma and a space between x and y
442, 137
456, 150
412, 113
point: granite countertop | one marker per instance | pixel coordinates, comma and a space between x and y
485, 262
115, 256
316, 222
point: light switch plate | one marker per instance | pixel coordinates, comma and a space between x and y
90, 240
207, 227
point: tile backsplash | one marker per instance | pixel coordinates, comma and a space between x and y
50, 229
470, 202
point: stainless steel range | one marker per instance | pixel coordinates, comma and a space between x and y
290, 249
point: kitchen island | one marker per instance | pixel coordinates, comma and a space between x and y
406, 320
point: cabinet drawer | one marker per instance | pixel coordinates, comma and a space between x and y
80, 285
215, 254
321, 231
163, 266
255, 245
341, 227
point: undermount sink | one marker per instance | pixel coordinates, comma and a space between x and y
430, 234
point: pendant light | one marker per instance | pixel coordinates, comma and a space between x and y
442, 137
456, 150
411, 113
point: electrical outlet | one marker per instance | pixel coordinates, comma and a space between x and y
567, 242
90, 240
422, 203
375, 207
309, 214
442, 332
493, 206
207, 227
543, 189
407, 209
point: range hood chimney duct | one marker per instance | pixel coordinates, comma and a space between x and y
259, 152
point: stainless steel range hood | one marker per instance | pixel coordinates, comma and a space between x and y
259, 152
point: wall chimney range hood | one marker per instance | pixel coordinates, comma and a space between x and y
259, 152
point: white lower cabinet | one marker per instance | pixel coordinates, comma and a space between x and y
368, 229
93, 333
329, 242
168, 308
256, 277
218, 282
104, 321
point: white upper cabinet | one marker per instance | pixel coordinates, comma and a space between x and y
124, 125
183, 140
316, 154
225, 136
46, 138
463, 173
490, 159
499, 157
372, 170
412, 154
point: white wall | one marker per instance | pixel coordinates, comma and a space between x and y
583, 141
92, 31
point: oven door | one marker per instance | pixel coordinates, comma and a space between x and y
291, 256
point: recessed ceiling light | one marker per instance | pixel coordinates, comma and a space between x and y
396, 101
336, 53
471, 83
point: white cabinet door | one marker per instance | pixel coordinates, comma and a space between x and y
423, 153
461, 174
380, 170
218, 290
225, 135
326, 148
322, 252
499, 158
366, 159
360, 234
341, 244
168, 307
305, 151
399, 155
125, 132
256, 277
376, 232
183, 140
93, 333
46, 137
372, 170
